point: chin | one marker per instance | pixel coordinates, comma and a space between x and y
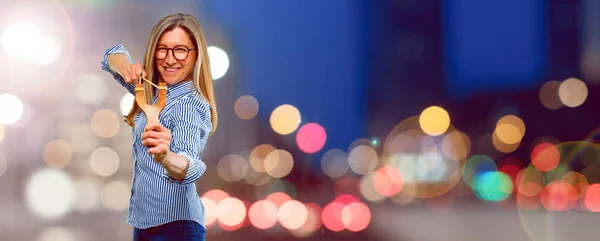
172, 81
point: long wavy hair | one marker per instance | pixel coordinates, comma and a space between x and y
201, 76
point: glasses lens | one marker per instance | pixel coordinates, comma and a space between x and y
180, 53
161, 53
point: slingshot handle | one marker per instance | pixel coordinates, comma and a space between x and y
152, 112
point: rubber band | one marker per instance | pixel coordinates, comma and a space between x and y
150, 82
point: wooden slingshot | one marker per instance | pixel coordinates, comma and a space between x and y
152, 111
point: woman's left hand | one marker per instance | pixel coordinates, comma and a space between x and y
157, 138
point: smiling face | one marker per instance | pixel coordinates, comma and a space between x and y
175, 55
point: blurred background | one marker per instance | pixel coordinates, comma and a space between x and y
339, 120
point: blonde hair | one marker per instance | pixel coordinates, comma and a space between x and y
201, 76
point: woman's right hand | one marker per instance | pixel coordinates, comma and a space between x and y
129, 72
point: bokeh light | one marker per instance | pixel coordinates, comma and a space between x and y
334, 163
572, 92
126, 103
368, 189
88, 195
278, 198
356, 216
231, 212
493, 186
456, 145
246, 107
292, 214
219, 62
332, 216
434, 120
592, 197
313, 221
105, 123
50, 193
558, 196
18, 39
477, 165
56, 233
57, 153
311, 138
549, 95
285, 119
232, 167
258, 155
545, 157
115, 194
210, 210
279, 163
104, 161
263, 214
510, 129
11, 109
388, 181
363, 159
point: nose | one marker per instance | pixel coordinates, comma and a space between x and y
170, 59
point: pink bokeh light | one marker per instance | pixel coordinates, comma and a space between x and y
311, 138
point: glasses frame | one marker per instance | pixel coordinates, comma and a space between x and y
172, 50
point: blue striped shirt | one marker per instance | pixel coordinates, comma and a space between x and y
156, 198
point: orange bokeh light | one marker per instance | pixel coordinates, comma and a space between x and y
545, 157
592, 198
388, 181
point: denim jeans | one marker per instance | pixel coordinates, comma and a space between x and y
183, 230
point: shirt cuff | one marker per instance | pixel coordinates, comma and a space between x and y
195, 169
117, 49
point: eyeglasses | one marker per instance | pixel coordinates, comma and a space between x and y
180, 52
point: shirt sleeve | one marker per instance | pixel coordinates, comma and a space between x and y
117, 49
190, 128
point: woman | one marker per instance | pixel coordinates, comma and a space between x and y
164, 204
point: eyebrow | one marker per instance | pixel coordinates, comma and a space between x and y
179, 45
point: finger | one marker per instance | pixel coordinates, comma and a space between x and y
132, 71
152, 127
157, 150
152, 142
151, 134
144, 73
126, 76
138, 69
156, 127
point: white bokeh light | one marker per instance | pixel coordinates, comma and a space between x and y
126, 103
20, 40
11, 109
50, 193
47, 51
91, 89
219, 62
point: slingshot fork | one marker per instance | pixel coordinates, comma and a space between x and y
152, 111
